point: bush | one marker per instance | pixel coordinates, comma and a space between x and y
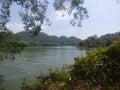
55, 80
99, 69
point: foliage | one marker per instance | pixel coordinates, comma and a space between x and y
72, 7
103, 41
5, 36
56, 80
8, 50
33, 12
99, 69
9, 46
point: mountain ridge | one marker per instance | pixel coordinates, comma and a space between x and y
44, 39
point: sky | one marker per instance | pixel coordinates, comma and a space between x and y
104, 18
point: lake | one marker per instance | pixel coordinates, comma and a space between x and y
34, 60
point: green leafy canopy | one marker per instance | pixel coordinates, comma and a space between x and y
33, 12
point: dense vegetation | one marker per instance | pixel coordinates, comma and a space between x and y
98, 70
9, 45
94, 41
43, 39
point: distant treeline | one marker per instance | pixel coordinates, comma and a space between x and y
43, 39
94, 41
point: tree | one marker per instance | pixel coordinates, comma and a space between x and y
33, 12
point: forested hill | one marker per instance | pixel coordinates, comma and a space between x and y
104, 40
47, 40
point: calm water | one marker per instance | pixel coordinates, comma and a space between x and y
33, 60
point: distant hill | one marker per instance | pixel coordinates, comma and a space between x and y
104, 40
44, 39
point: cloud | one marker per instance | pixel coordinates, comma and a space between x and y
15, 27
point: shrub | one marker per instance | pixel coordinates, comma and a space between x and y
55, 80
100, 68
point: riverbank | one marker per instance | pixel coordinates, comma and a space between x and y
99, 70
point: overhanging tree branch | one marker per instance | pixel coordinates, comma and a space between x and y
33, 12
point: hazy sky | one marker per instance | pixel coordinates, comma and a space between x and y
104, 17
